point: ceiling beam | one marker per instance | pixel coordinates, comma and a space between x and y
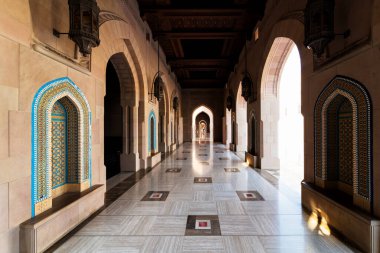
226, 62
200, 35
202, 68
201, 11
202, 81
202, 85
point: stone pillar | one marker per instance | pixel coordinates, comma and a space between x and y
241, 137
270, 118
162, 135
180, 130
142, 135
129, 160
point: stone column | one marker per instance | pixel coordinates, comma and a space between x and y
162, 134
129, 159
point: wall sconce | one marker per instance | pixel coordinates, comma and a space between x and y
84, 25
319, 25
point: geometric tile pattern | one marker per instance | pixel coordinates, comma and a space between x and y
360, 101
249, 196
155, 196
202, 180
231, 170
345, 138
173, 170
78, 145
59, 135
202, 225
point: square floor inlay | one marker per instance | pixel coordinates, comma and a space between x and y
205, 163
202, 155
219, 152
174, 170
223, 158
202, 225
203, 180
155, 196
181, 158
249, 196
186, 152
231, 170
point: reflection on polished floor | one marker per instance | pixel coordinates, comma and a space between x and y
210, 202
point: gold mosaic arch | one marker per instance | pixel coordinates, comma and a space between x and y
79, 174
360, 101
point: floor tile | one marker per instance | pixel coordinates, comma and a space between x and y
238, 225
230, 208
155, 196
243, 244
202, 225
275, 224
203, 208
211, 244
202, 180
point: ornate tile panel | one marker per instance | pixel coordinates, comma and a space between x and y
360, 101
78, 137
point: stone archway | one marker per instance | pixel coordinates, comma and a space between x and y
283, 146
129, 156
197, 111
241, 133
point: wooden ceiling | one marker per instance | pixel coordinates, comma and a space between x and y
202, 39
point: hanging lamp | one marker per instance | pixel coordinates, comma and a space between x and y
84, 25
157, 85
246, 82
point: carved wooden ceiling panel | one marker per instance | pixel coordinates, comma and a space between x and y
202, 39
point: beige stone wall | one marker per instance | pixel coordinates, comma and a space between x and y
357, 58
26, 64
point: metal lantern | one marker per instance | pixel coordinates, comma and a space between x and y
319, 25
175, 103
246, 82
84, 24
246, 86
158, 87
230, 102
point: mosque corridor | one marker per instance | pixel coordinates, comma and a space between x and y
203, 198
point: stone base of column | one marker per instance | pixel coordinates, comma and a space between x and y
129, 162
163, 148
173, 147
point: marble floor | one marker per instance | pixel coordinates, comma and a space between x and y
209, 202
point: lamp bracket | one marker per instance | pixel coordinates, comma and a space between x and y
57, 34
345, 34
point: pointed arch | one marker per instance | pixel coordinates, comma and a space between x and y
152, 133
79, 143
208, 111
356, 95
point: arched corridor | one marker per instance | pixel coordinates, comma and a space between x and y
185, 126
